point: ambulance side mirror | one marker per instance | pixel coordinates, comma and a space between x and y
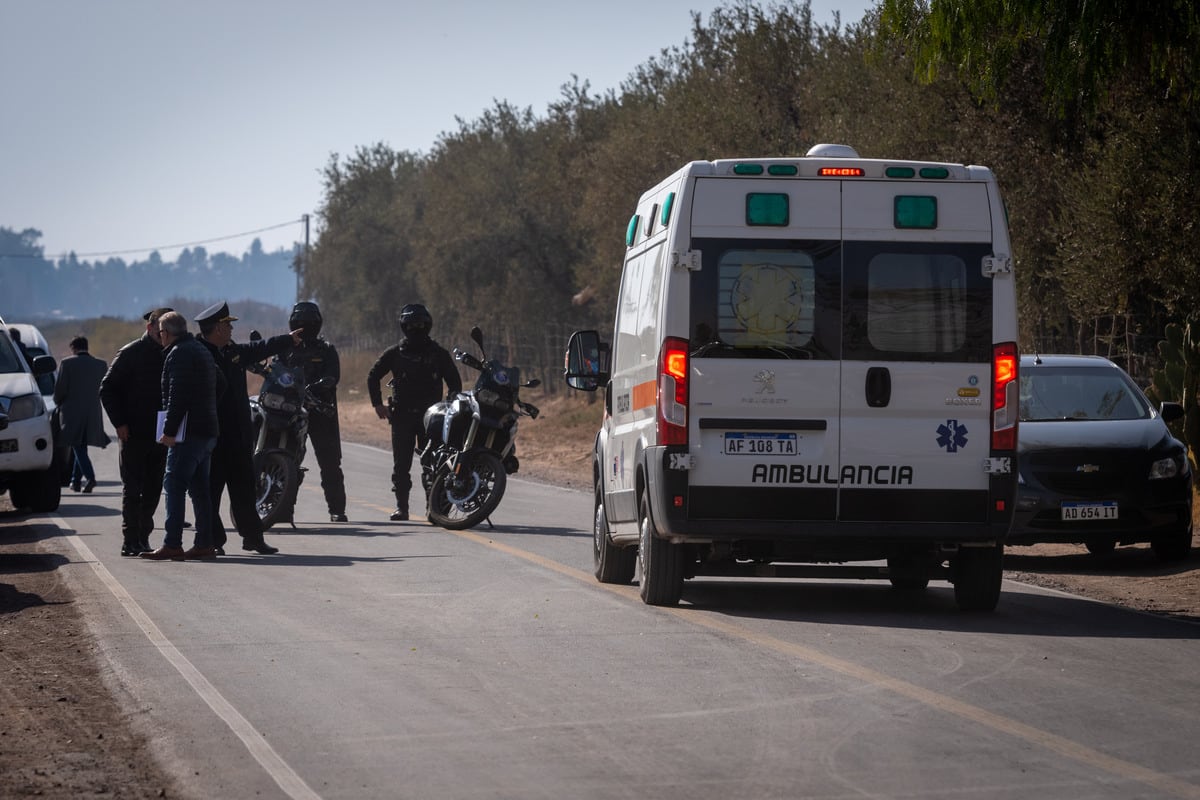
587, 361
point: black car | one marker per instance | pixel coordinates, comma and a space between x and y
1098, 465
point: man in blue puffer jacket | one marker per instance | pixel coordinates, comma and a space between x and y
191, 384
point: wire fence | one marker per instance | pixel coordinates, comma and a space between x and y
539, 356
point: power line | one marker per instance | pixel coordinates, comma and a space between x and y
159, 247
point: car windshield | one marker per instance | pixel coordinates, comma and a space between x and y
1079, 393
9, 360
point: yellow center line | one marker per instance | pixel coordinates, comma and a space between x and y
996, 722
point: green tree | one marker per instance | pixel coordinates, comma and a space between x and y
1088, 46
359, 269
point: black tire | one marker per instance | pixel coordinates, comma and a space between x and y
277, 480
612, 564
18, 493
45, 490
1100, 546
662, 563
1173, 546
908, 573
462, 500
977, 573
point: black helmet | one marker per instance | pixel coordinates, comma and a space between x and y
306, 315
415, 319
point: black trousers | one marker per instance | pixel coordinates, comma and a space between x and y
233, 468
408, 433
142, 464
325, 437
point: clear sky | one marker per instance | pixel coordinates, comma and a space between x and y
131, 125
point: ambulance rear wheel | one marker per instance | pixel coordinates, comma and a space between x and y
662, 563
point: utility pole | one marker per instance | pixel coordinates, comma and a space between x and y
301, 260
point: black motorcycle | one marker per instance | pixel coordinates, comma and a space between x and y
280, 416
471, 437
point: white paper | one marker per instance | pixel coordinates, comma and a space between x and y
162, 420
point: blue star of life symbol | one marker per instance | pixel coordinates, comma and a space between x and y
952, 436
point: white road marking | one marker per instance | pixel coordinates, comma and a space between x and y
262, 752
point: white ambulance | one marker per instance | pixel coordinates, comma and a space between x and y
813, 362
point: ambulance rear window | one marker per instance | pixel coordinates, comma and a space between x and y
917, 302
765, 298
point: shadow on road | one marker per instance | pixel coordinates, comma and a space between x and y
877, 604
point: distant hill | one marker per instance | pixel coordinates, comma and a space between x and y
38, 289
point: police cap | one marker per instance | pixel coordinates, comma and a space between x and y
218, 312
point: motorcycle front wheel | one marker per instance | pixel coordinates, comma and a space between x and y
465, 498
277, 481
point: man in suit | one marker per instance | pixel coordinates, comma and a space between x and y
77, 394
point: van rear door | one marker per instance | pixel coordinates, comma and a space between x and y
917, 350
840, 361
764, 330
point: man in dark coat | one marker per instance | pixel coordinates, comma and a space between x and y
77, 394
319, 360
419, 366
130, 393
190, 387
233, 458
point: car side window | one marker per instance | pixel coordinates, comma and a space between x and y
9, 361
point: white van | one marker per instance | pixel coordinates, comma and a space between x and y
814, 361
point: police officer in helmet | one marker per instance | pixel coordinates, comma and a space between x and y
320, 360
419, 366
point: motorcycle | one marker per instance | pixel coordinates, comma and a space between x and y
280, 415
471, 437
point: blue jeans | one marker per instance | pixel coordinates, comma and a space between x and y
187, 474
83, 465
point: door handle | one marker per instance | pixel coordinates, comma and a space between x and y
879, 387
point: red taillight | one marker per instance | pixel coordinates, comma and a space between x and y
1005, 396
673, 392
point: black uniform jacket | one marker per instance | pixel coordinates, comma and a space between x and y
320, 360
234, 407
418, 369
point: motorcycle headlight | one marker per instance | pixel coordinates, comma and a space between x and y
27, 406
272, 401
489, 398
1164, 468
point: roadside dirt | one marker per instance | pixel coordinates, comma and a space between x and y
63, 733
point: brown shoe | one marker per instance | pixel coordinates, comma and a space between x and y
201, 552
164, 553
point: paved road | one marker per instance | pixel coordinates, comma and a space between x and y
383, 660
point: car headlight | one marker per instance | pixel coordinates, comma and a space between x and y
1164, 468
27, 406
